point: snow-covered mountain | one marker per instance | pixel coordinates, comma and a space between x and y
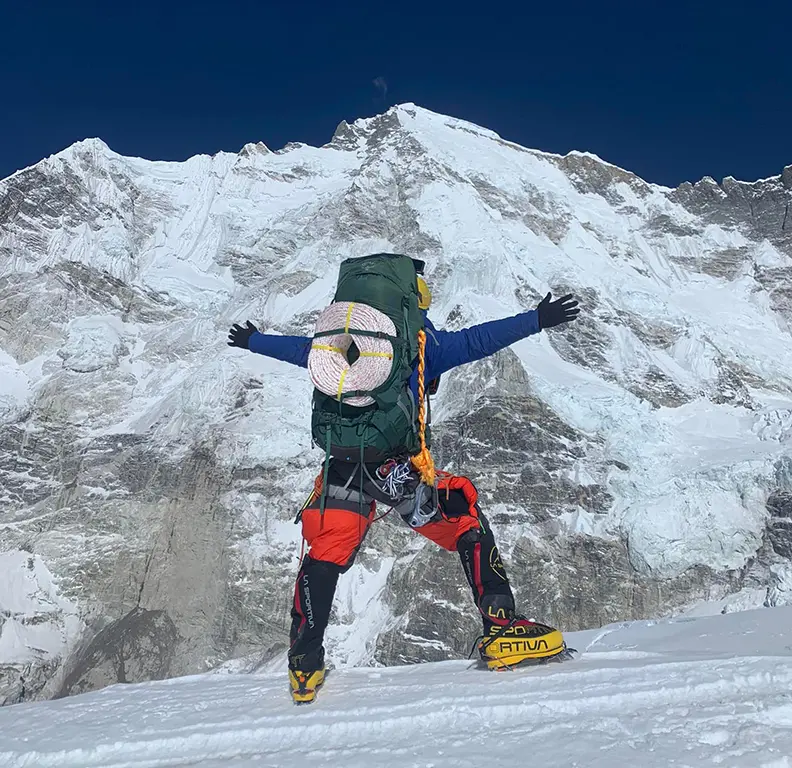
691, 692
633, 463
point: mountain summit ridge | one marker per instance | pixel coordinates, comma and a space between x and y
410, 109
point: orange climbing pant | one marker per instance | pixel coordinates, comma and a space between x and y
336, 534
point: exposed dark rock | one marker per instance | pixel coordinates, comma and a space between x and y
780, 533
777, 281
779, 526
659, 389
591, 175
759, 208
137, 647
597, 585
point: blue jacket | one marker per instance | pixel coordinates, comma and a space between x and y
444, 349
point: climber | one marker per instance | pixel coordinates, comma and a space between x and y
341, 507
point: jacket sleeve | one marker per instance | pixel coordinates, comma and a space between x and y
290, 349
454, 348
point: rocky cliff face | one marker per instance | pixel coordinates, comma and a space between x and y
633, 464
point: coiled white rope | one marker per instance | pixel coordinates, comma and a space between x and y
328, 366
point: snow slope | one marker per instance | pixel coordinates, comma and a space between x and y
685, 692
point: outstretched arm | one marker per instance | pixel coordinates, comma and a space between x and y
290, 349
455, 348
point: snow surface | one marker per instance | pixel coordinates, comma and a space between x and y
711, 691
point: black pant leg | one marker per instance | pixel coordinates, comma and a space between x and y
313, 599
486, 575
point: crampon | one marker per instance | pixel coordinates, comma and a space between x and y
521, 643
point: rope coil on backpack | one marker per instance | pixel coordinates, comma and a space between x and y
328, 365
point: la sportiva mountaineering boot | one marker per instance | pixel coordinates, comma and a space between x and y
306, 675
304, 685
520, 642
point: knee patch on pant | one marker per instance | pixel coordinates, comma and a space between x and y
469, 538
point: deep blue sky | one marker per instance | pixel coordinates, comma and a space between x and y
671, 90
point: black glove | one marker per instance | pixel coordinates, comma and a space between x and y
562, 310
240, 337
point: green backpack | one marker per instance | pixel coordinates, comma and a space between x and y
389, 426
